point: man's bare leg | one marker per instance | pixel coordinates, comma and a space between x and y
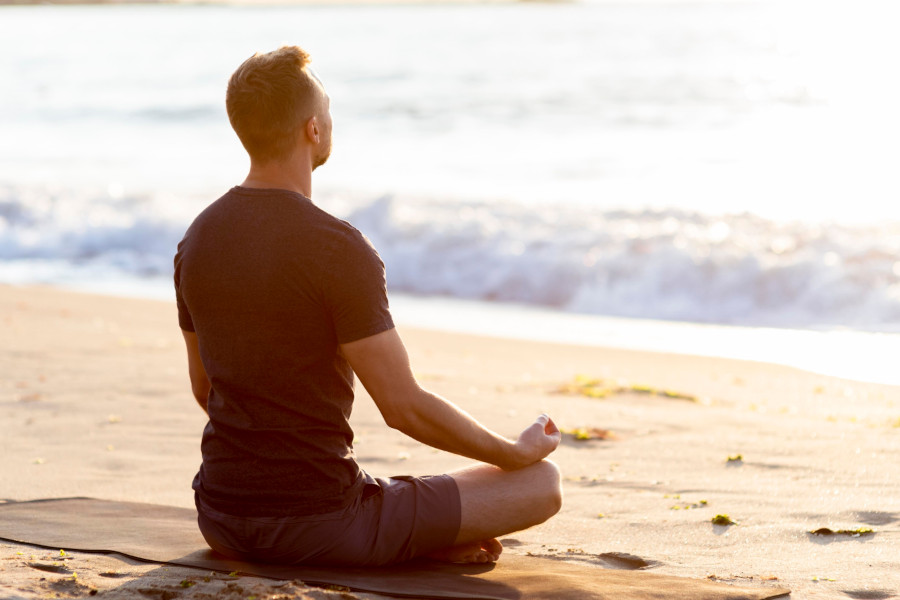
495, 502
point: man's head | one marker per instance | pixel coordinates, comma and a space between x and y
272, 99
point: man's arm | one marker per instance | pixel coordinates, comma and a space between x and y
382, 365
199, 381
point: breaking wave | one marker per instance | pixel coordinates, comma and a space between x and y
659, 264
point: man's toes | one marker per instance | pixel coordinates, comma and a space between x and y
471, 552
493, 546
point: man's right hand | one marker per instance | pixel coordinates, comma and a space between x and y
537, 441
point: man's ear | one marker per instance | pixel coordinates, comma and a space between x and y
312, 130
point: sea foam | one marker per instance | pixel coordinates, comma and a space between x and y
664, 264
660, 264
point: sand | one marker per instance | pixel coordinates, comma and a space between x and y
95, 401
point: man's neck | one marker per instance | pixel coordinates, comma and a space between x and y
279, 176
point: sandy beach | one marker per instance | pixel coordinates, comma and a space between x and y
95, 402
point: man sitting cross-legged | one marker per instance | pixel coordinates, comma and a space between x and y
280, 304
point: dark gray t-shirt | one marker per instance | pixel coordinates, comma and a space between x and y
271, 284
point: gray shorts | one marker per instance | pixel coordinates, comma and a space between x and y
393, 520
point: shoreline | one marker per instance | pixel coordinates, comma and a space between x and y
99, 405
857, 355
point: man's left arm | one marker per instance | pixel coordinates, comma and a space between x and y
200, 385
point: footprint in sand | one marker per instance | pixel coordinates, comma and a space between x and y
875, 517
869, 594
50, 568
622, 560
610, 560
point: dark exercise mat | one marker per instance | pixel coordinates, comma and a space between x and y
169, 535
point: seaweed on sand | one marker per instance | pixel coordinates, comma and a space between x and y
592, 387
584, 434
859, 531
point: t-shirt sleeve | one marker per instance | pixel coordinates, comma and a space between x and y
184, 316
357, 291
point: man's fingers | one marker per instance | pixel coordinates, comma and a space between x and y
547, 424
539, 439
550, 427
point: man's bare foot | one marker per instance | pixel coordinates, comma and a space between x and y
473, 552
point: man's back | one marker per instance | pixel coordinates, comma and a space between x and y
280, 304
272, 285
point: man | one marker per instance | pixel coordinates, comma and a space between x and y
280, 303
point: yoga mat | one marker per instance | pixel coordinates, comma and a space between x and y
169, 535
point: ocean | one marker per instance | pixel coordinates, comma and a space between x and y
711, 177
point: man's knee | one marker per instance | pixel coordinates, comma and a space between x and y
548, 487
